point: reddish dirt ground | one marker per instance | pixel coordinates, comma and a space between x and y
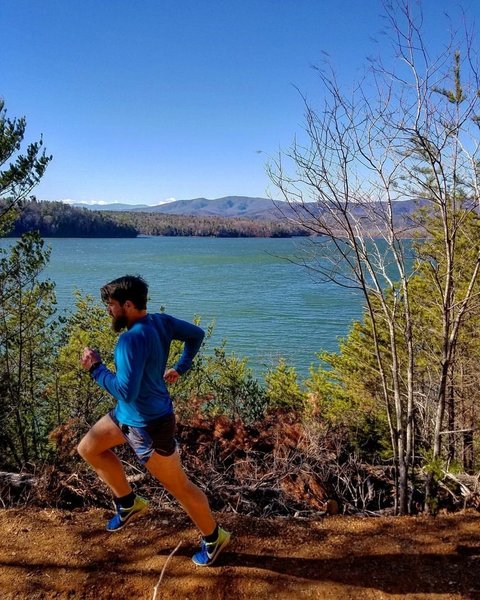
60, 554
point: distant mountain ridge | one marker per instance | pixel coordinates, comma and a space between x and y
228, 206
237, 206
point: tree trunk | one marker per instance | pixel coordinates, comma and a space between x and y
468, 458
452, 453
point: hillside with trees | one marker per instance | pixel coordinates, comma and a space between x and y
56, 219
147, 223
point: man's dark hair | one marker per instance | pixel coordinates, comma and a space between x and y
129, 287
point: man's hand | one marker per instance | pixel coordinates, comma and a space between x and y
171, 376
90, 357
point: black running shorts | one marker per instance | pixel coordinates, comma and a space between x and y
156, 436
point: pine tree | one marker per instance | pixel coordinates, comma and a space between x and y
26, 306
19, 172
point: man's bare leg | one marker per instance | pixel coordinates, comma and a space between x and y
95, 449
169, 471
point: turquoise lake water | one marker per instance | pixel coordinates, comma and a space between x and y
261, 303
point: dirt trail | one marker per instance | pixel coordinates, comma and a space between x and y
59, 554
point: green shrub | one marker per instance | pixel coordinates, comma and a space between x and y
283, 389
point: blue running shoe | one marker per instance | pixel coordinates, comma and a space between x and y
208, 553
124, 515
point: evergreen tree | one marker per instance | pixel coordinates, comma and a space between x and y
283, 389
21, 175
26, 306
26, 351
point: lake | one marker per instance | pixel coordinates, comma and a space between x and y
261, 303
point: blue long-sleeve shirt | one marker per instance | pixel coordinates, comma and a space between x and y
141, 356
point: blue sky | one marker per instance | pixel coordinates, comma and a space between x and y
141, 100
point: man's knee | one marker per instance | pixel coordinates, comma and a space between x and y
87, 448
103, 436
83, 449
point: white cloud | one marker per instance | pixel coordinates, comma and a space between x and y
89, 202
103, 202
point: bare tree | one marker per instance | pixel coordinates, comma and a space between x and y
404, 133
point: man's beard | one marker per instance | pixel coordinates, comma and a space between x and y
119, 323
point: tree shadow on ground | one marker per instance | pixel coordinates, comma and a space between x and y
389, 573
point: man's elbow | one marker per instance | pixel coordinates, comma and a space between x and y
199, 338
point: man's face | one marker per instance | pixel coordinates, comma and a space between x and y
118, 314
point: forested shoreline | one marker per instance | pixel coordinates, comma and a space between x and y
56, 219
212, 226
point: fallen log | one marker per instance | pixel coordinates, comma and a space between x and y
17, 480
15, 487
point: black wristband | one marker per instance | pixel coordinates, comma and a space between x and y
94, 366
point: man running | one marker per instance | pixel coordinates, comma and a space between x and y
143, 416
